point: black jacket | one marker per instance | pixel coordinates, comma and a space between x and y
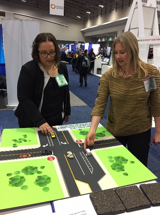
30, 87
79, 64
92, 56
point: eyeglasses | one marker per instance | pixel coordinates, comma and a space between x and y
45, 54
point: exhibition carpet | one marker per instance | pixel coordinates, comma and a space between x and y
86, 94
79, 114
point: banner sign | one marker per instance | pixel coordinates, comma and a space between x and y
151, 40
144, 2
57, 7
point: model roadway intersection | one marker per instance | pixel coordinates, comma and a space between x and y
82, 168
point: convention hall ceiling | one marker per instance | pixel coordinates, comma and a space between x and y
79, 8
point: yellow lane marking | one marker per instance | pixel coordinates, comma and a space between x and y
69, 167
74, 176
65, 137
21, 154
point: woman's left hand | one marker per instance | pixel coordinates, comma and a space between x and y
66, 119
156, 138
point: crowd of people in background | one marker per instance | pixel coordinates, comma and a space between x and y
71, 57
76, 58
102, 52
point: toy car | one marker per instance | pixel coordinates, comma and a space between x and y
53, 135
25, 155
88, 152
47, 152
70, 155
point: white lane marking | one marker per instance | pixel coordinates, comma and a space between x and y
57, 138
86, 161
79, 164
45, 145
48, 140
63, 143
51, 140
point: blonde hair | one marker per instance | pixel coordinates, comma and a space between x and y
130, 44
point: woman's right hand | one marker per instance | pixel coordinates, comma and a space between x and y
45, 128
89, 140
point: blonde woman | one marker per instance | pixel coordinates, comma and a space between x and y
131, 105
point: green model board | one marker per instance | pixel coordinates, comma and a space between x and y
122, 166
81, 133
16, 137
30, 181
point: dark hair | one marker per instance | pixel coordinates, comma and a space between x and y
85, 51
81, 50
44, 37
91, 50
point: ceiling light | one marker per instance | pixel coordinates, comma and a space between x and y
100, 5
78, 17
88, 12
23, 0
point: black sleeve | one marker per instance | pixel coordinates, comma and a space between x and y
67, 106
26, 95
77, 62
89, 56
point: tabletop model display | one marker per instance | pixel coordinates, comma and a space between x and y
58, 167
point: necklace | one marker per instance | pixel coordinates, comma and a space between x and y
127, 75
53, 70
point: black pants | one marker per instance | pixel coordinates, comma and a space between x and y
91, 66
74, 64
137, 144
82, 76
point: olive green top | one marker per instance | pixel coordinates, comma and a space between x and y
131, 108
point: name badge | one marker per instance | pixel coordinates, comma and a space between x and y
61, 81
149, 84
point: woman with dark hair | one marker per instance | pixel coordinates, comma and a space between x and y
43, 91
